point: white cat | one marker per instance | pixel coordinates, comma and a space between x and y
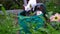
31, 4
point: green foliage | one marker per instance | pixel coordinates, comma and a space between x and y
14, 6
52, 6
48, 30
7, 23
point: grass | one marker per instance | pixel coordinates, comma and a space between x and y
7, 23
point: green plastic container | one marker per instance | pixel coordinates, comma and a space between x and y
23, 20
